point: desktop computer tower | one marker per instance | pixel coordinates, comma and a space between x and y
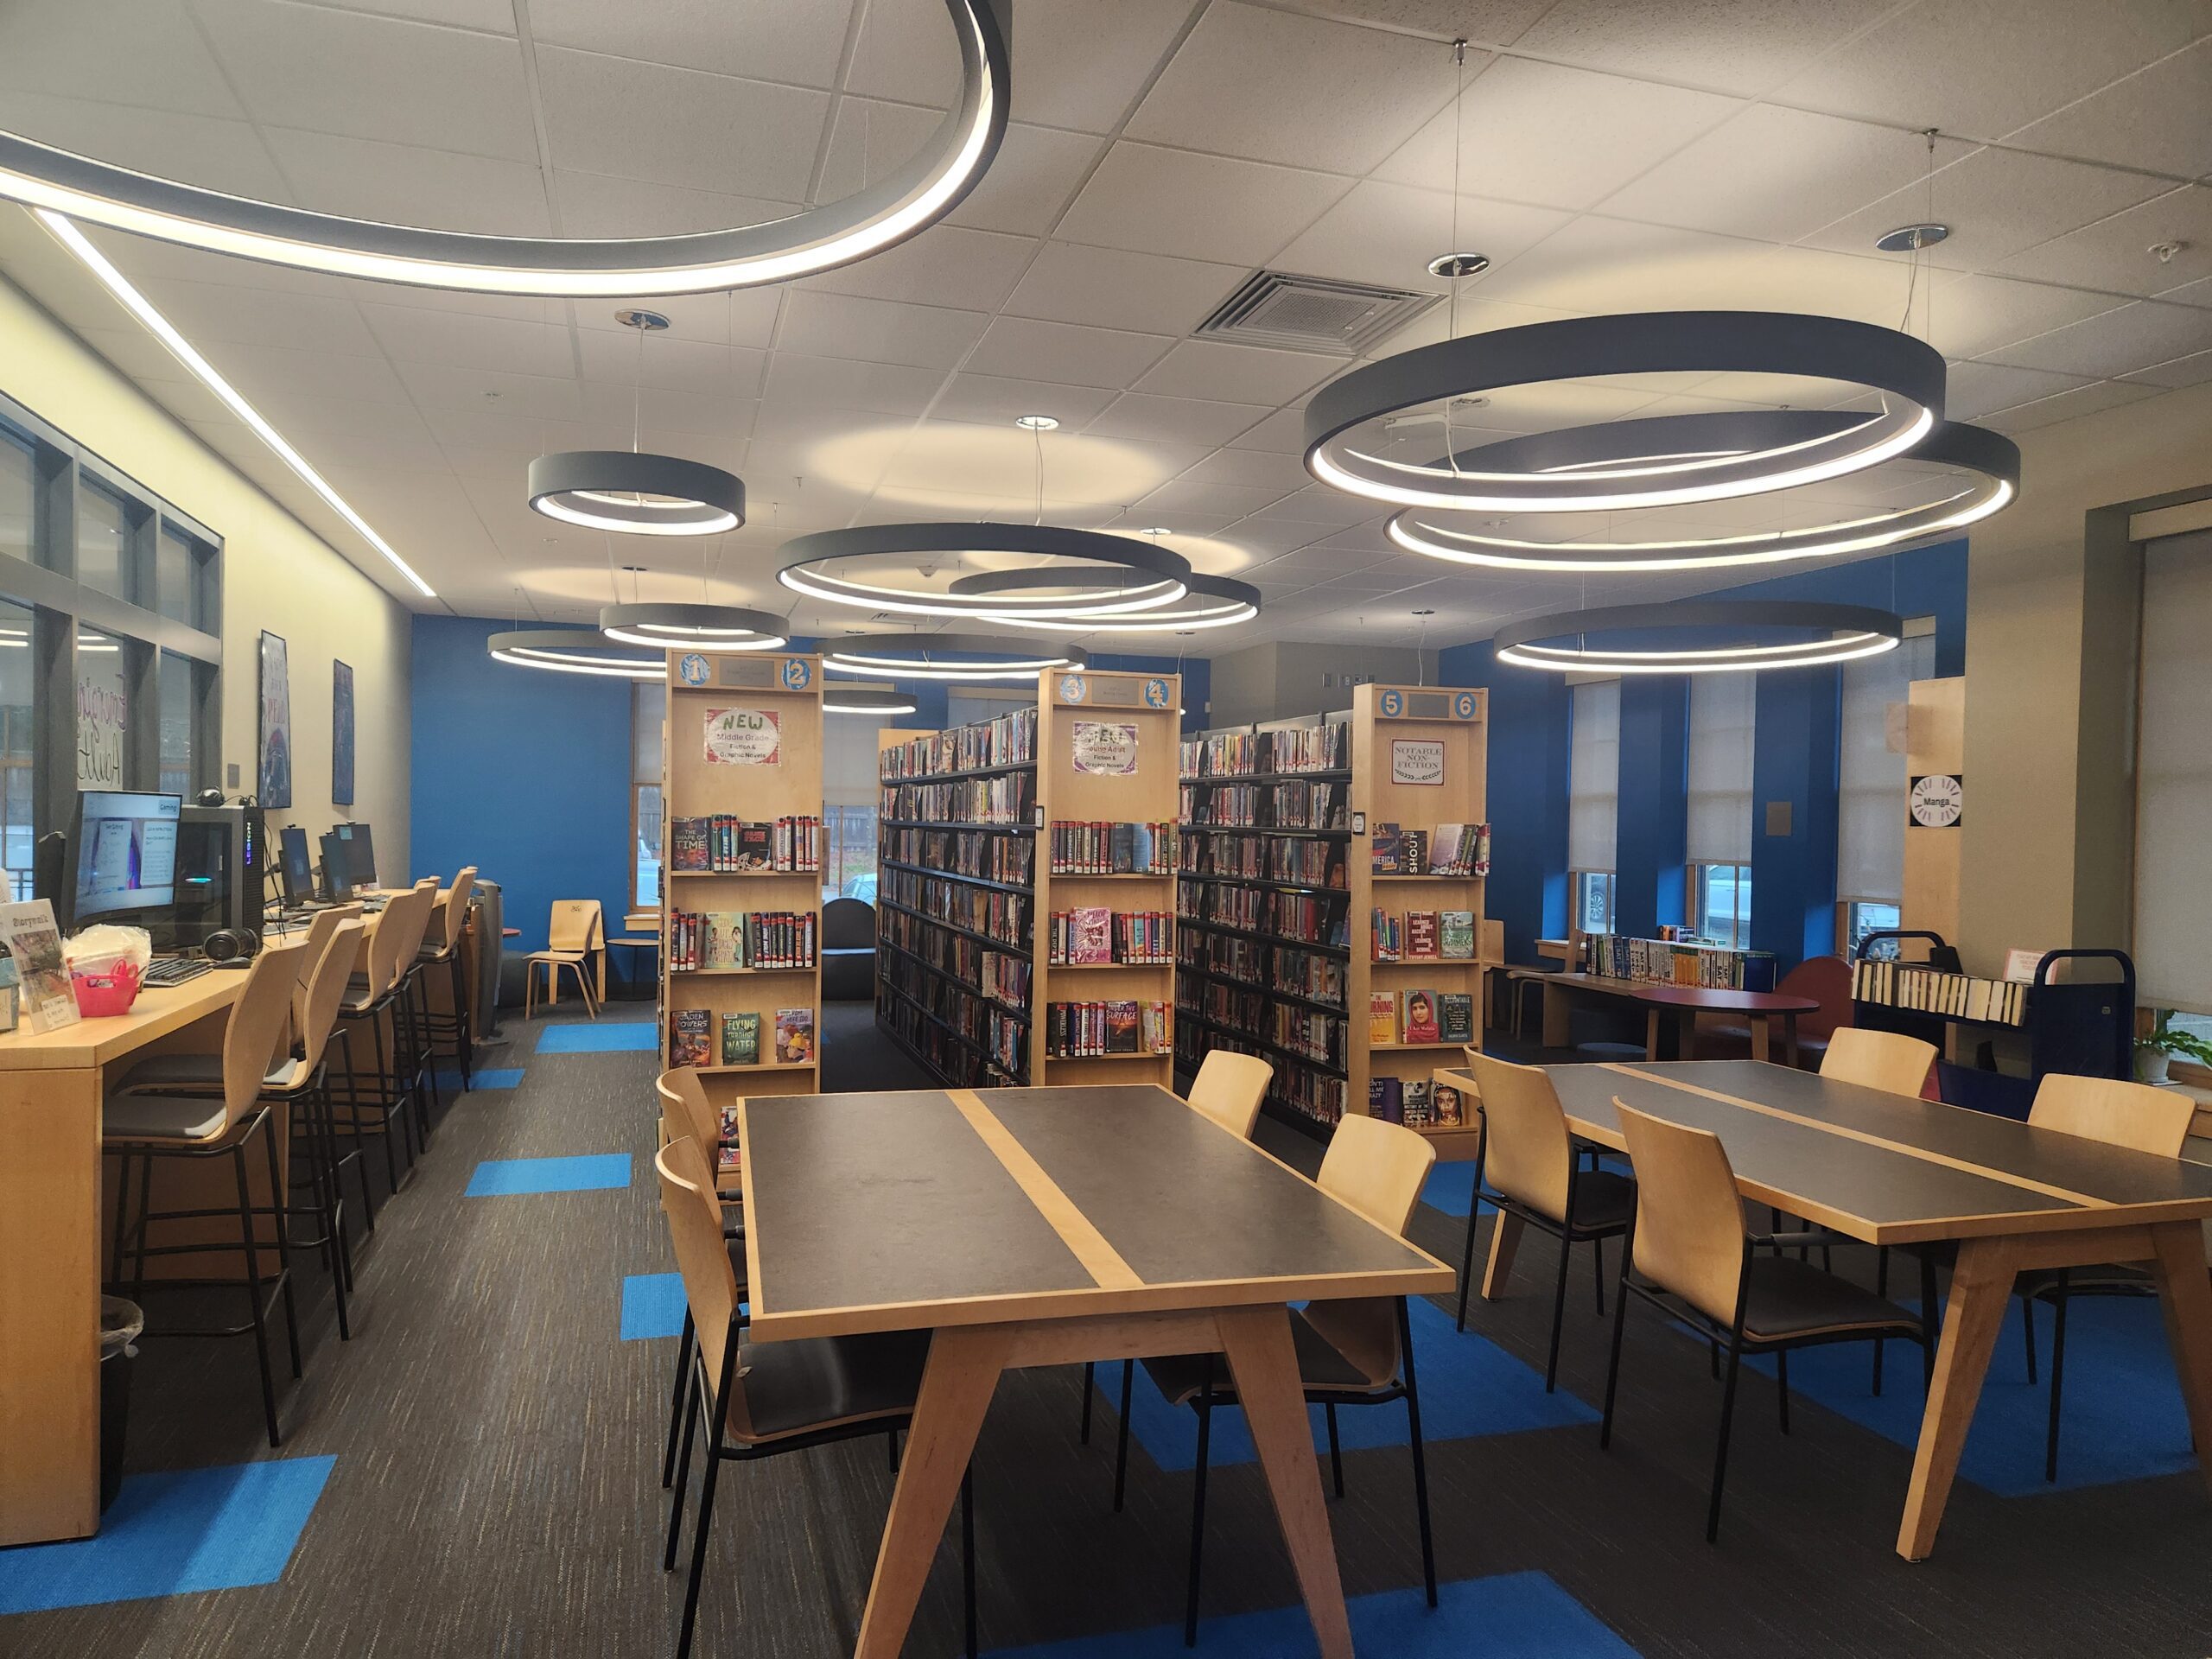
222, 875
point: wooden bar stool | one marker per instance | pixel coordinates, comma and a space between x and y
442, 948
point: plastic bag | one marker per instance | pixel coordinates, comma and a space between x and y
100, 948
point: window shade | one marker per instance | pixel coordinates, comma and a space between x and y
1593, 776
1871, 775
648, 714
1721, 711
2173, 781
849, 763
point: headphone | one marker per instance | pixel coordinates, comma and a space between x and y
230, 945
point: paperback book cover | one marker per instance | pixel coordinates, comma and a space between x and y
1417, 1103
1421, 1018
725, 945
1381, 1017
1121, 1028
1455, 1016
1386, 1099
1420, 935
689, 1030
726, 1161
1092, 939
740, 1040
1444, 1105
756, 846
687, 844
1413, 852
1456, 935
1385, 849
794, 1036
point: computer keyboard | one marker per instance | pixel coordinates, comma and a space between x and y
174, 970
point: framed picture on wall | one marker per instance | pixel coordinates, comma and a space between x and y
275, 779
342, 733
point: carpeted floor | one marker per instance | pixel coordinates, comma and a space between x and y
476, 1474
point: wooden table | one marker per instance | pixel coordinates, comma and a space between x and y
1891, 1169
1675, 1005
1042, 1227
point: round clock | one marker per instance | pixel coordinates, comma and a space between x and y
1937, 800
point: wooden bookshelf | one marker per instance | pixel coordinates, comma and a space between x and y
1148, 707
789, 688
947, 1018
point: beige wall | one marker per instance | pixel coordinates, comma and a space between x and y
277, 575
1277, 682
2049, 761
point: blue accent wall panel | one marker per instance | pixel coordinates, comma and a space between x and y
1653, 816
524, 774
1527, 794
1794, 762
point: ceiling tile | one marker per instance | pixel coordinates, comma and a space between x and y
1184, 496
727, 420
2118, 342
2114, 253
1185, 420
1242, 374
1282, 433
1597, 264
1254, 467
670, 362
1193, 207
996, 400
1734, 46
1318, 504
2191, 370
139, 51
798, 382
1106, 286
1025, 348
745, 316
1491, 23
840, 325
208, 314
760, 40
1247, 81
261, 372
2069, 405
1387, 233
524, 396
1975, 389
1559, 137
595, 204
944, 265
404, 82
2132, 123
680, 126
407, 333
201, 150
485, 17
1967, 315
362, 178
1981, 70
1029, 180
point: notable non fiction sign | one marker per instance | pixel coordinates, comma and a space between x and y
1417, 760
1938, 800
744, 737
1105, 749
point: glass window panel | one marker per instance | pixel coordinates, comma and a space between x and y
103, 710
176, 724
18, 497
103, 541
175, 557
647, 860
1865, 918
1594, 901
1725, 903
1723, 711
16, 736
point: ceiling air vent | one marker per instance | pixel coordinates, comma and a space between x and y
1313, 313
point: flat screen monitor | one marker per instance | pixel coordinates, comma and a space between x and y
335, 875
126, 853
295, 865
360, 853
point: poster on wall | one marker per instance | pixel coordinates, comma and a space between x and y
103, 713
1105, 749
276, 780
745, 737
1417, 760
342, 733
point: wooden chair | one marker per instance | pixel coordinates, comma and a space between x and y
2118, 1113
773, 1397
686, 1114
441, 949
148, 1125
1699, 1265
1228, 1091
578, 930
1888, 1060
1528, 1159
374, 998
1349, 1353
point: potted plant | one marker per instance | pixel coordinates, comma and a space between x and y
2155, 1051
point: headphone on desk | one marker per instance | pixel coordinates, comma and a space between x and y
230, 945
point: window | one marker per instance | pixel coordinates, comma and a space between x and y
102, 711
1871, 777
16, 740
1860, 920
648, 715
18, 497
1724, 904
1593, 784
1717, 841
2173, 776
103, 542
175, 576
849, 853
176, 723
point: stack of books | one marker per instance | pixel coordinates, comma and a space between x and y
723, 844
1105, 848
1083, 1030
1925, 990
719, 941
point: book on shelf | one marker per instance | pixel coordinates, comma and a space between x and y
1418, 1017
1413, 852
1388, 935
728, 1159
1088, 1030
1386, 1099
1100, 848
1461, 850
1091, 938
722, 844
1122, 1027
1416, 1097
1713, 967
688, 1031
1455, 1017
1421, 936
687, 844
1386, 851
740, 1040
1455, 934
1446, 1109
794, 1036
1381, 1017
1008, 740
1926, 990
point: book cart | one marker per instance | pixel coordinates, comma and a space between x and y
743, 744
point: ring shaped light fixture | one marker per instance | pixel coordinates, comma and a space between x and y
1051, 579
693, 627
913, 197
1821, 634
636, 493
852, 700
1907, 374
920, 657
573, 651
1952, 502
1212, 603
1164, 575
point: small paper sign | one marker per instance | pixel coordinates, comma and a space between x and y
1105, 749
745, 737
1417, 760
34, 944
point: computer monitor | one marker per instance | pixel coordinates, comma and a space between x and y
295, 865
360, 853
126, 854
337, 878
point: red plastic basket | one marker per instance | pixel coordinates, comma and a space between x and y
110, 991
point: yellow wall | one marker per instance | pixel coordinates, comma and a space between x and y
277, 575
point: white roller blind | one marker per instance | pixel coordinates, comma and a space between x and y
1721, 711
849, 768
2173, 808
1593, 776
1870, 773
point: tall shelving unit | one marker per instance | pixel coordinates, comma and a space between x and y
1071, 788
932, 993
789, 687
1450, 732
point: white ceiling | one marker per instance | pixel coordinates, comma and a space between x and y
1613, 154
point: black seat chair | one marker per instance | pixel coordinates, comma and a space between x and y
847, 951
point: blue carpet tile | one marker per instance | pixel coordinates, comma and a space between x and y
1469, 1386
1513, 1616
480, 1079
652, 1305
172, 1533
505, 1177
600, 1037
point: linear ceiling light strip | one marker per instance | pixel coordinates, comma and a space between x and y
1830, 633
822, 238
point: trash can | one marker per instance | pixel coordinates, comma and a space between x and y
120, 1323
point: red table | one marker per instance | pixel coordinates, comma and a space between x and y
1683, 1003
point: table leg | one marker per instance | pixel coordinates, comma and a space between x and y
1265, 1365
2185, 1297
1651, 1032
1504, 1239
1686, 1034
958, 1383
1762, 1045
1558, 1006
1981, 1286
1789, 1038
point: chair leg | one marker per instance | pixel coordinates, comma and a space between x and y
1721, 1454
267, 1132
1421, 1455
1597, 1272
122, 1216
1336, 1452
1613, 1361
2028, 1334
684, 1470
462, 1045
702, 1530
253, 1291
1881, 1288
968, 1554
1121, 1435
1467, 1257
676, 1402
1782, 1385
1558, 1316
2057, 1378
1082, 1432
1198, 1510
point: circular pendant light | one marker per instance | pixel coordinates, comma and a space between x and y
1814, 635
912, 197
1211, 602
852, 699
1098, 584
950, 656
693, 627
573, 651
1344, 442
1958, 475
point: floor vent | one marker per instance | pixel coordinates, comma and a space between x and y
1313, 313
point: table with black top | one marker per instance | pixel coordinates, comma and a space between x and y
1042, 1227
1891, 1169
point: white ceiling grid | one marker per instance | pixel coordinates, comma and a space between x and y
1615, 154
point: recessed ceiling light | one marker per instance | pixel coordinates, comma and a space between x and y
1911, 239
1035, 422
1459, 265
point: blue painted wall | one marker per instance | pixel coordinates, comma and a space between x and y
1653, 816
